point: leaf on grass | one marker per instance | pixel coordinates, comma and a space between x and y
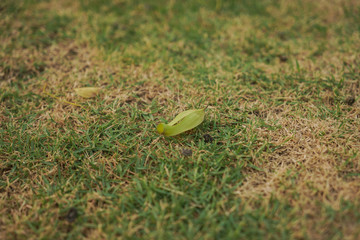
87, 92
55, 97
183, 122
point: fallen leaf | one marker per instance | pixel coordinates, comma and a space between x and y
183, 122
87, 92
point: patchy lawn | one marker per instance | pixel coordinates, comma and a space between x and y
277, 156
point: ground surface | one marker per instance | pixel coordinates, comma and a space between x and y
281, 83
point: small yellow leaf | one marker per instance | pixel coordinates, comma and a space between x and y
183, 122
87, 92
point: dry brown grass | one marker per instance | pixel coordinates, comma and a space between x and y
311, 167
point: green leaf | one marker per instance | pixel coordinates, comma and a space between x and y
183, 122
87, 92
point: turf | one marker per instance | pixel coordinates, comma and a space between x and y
277, 156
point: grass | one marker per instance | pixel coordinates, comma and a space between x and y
281, 83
